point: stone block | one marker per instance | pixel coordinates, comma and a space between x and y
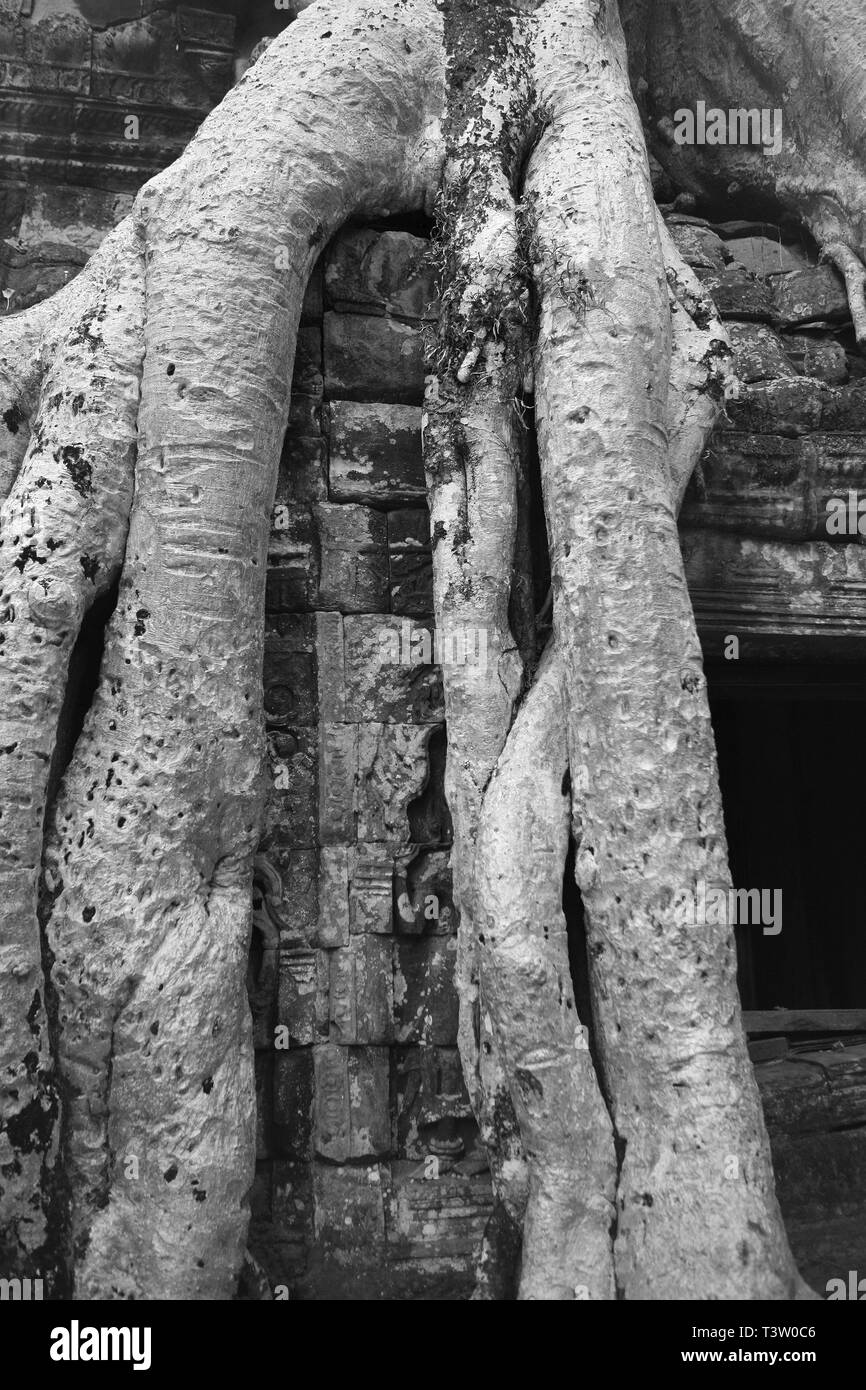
313, 305
840, 469
384, 679
700, 247
330, 642
371, 889
293, 1103
300, 1007
821, 358
764, 256
375, 453
293, 568
302, 480
362, 991
305, 417
307, 372
751, 483
783, 407
297, 908
292, 804
350, 1211
423, 893
845, 409
429, 1099
354, 558
816, 295
374, 272
392, 770
333, 897
338, 770
410, 562
758, 353
374, 359
739, 295
289, 679
264, 1074
425, 993
441, 1217
351, 1111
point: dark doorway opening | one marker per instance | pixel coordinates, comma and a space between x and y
792, 765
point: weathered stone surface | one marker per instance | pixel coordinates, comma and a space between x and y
333, 901
362, 991
435, 1218
700, 247
371, 886
375, 453
752, 484
350, 1213
429, 1097
289, 680
305, 419
816, 295
331, 675
381, 272
846, 409
298, 908
293, 571
293, 1103
313, 305
422, 893
819, 357
425, 994
782, 407
351, 1114
775, 596
758, 353
292, 802
401, 691
410, 560
763, 256
338, 770
299, 1008
307, 375
374, 359
739, 295
264, 1072
392, 769
840, 468
302, 480
354, 558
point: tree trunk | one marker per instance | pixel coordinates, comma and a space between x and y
144, 413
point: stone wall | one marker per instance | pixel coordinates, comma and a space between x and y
370, 1182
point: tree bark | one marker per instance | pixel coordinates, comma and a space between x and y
143, 414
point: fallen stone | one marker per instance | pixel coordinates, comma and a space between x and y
822, 358
758, 353
814, 295
765, 256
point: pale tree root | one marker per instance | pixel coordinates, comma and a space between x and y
150, 845
564, 1125
471, 451
696, 1172
62, 533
